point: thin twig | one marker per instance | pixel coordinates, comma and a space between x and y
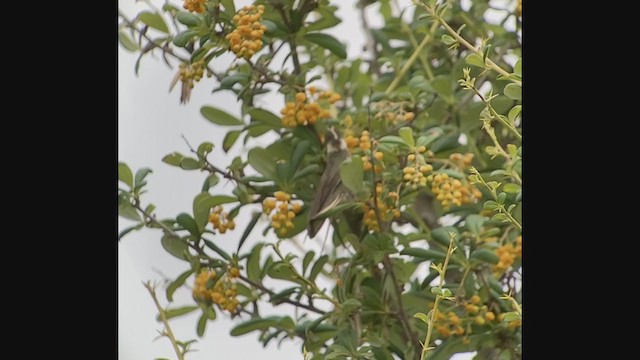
167, 329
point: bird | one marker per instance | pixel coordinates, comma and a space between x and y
330, 192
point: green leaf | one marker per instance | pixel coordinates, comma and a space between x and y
441, 235
229, 6
274, 29
230, 139
351, 304
445, 143
475, 60
188, 163
298, 154
352, 173
327, 19
264, 163
174, 285
422, 317
186, 221
219, 117
202, 325
204, 148
513, 91
317, 267
511, 188
511, 316
127, 211
394, 141
171, 313
187, 18
406, 134
124, 174
444, 87
202, 205
474, 223
424, 253
517, 69
257, 129
229, 81
485, 255
328, 42
182, 38
491, 205
305, 171
514, 112
154, 20
255, 324
307, 260
175, 158
140, 175
126, 42
448, 40
129, 229
254, 220
253, 263
174, 246
266, 117
432, 135
215, 248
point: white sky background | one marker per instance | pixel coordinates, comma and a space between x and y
150, 124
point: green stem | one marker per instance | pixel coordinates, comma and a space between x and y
165, 321
432, 321
421, 56
471, 48
411, 60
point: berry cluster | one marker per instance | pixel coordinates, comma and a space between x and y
507, 254
246, 39
386, 207
222, 291
221, 220
462, 161
392, 112
194, 5
474, 313
225, 291
286, 211
190, 73
304, 111
450, 191
416, 171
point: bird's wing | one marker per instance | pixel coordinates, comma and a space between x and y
327, 197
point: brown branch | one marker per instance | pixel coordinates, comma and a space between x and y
402, 314
164, 49
286, 300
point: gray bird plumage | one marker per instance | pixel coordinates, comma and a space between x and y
331, 192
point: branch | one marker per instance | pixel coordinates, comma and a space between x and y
411, 60
471, 48
165, 321
286, 300
165, 50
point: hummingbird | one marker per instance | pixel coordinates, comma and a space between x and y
330, 192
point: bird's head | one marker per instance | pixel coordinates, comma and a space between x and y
334, 141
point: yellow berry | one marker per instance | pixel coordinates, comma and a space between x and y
475, 299
378, 155
411, 157
490, 316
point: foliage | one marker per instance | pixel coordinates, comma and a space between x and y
431, 116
